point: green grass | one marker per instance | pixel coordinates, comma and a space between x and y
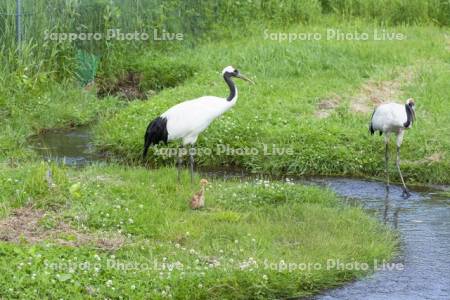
292, 78
263, 221
228, 250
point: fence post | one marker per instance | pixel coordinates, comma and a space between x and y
18, 22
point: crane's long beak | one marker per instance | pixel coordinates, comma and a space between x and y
245, 78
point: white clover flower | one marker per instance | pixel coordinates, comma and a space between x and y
109, 283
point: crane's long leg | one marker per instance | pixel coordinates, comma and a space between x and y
191, 162
400, 134
405, 193
179, 162
386, 206
386, 164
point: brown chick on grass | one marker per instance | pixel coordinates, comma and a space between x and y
198, 200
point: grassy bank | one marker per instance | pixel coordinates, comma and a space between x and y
312, 97
234, 248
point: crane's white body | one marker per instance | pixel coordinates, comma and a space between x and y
188, 119
390, 117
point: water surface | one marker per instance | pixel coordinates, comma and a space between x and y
71, 147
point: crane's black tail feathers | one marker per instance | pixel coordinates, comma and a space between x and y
156, 132
371, 129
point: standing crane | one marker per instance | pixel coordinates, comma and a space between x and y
393, 118
188, 119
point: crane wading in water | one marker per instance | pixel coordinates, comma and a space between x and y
188, 119
393, 118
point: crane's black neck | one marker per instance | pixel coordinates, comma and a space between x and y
410, 116
231, 85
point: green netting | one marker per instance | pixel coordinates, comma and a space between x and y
87, 64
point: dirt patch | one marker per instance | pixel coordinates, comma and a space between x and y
127, 87
374, 93
436, 157
371, 94
34, 226
433, 158
327, 106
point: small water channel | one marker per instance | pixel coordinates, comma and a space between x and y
72, 147
423, 221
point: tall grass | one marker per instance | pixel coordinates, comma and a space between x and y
192, 17
393, 12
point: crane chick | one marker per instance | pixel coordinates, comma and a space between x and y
198, 200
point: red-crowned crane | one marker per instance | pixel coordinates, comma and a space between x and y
393, 118
188, 119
